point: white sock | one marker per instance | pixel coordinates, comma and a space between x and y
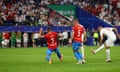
100, 48
82, 50
108, 53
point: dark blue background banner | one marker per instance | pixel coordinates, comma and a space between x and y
33, 28
88, 20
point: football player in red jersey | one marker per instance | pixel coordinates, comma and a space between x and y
51, 38
78, 32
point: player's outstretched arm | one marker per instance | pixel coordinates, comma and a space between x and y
59, 36
85, 37
115, 30
101, 39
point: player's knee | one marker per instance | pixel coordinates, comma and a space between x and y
47, 59
75, 50
107, 47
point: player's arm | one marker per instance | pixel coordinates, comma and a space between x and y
58, 35
116, 32
85, 37
101, 38
71, 38
40, 33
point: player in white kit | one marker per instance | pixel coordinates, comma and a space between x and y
111, 34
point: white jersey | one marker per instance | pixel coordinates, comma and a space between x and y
108, 32
65, 35
111, 37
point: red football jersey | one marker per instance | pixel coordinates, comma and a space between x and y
78, 33
51, 40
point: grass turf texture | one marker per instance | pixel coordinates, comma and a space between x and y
33, 60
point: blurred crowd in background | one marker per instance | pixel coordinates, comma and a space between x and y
28, 12
107, 10
36, 12
31, 39
28, 39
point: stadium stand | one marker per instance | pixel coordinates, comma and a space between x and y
34, 12
107, 10
27, 13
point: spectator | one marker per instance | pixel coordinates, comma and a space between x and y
6, 39
1, 21
25, 40
65, 38
96, 38
0, 39
18, 39
118, 4
30, 13
107, 10
36, 39
60, 39
13, 39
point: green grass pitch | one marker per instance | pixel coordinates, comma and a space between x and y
33, 60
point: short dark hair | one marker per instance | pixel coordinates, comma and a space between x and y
49, 28
75, 19
99, 26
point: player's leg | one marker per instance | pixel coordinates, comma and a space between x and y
82, 50
107, 52
77, 54
108, 44
80, 61
83, 53
75, 50
97, 50
48, 56
60, 56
